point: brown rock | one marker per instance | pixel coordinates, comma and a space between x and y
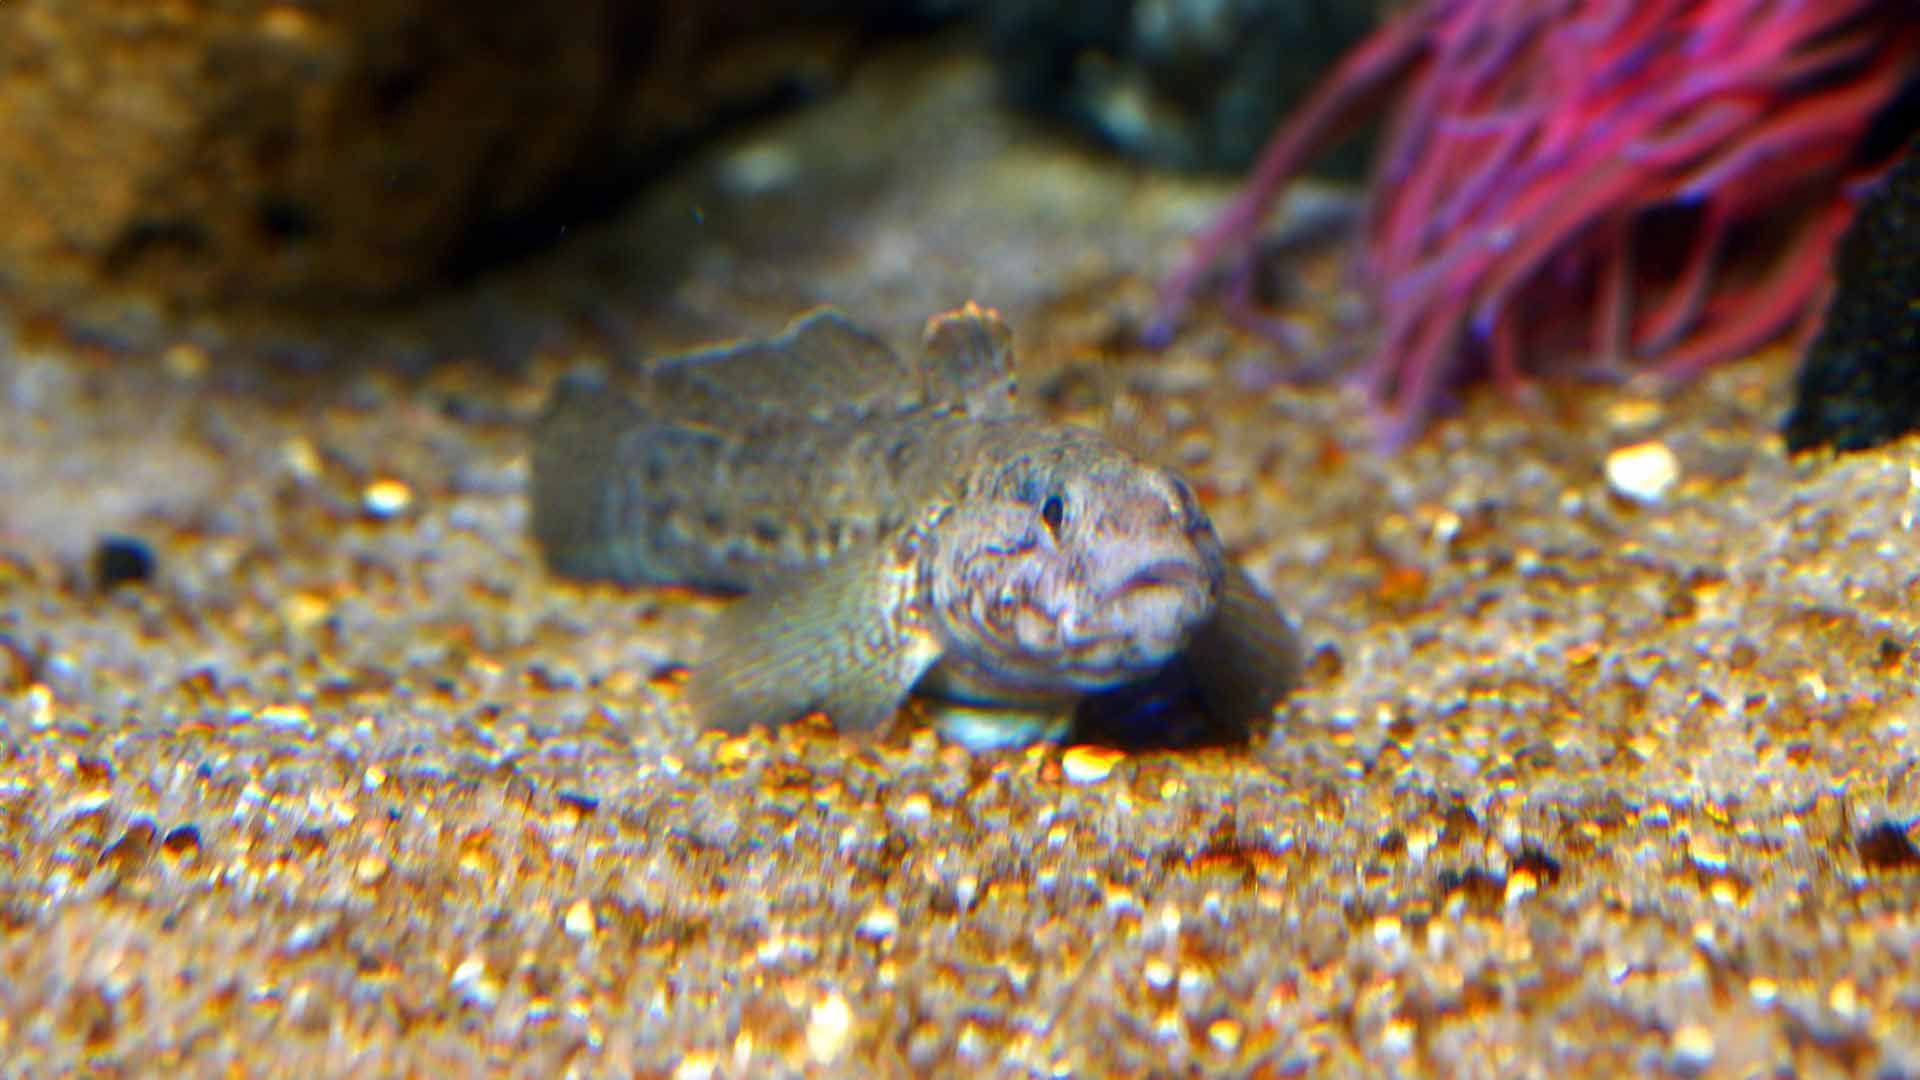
248, 152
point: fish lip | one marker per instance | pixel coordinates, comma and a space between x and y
1187, 589
1182, 574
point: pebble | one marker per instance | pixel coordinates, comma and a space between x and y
580, 922
1089, 764
1693, 1047
880, 923
828, 1025
1643, 472
122, 560
386, 498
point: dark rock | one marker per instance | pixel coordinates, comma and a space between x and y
1196, 84
1859, 385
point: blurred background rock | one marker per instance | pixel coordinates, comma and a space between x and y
319, 154
316, 157
1191, 84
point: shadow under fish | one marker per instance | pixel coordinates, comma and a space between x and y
897, 526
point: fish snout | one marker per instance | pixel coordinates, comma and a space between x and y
1146, 612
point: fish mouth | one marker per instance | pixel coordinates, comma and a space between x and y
1178, 575
1146, 616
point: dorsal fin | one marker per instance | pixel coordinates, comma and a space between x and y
969, 355
821, 367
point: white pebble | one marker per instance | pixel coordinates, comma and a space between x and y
1643, 472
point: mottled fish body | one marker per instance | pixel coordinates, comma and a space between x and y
896, 524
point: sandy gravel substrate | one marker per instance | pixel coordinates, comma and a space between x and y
1588, 779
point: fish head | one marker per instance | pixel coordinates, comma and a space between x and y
1071, 568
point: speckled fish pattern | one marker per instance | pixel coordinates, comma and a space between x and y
896, 524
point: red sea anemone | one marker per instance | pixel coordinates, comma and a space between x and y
1666, 178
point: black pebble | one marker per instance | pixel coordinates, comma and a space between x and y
122, 560
1886, 846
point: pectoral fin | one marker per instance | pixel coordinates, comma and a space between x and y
1246, 658
841, 639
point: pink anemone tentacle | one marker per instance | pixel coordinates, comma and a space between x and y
1597, 170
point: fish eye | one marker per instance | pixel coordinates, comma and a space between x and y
1053, 512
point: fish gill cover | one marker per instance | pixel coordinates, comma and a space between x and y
1595, 185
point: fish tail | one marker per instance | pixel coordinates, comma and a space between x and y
580, 487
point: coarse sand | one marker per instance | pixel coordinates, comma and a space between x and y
1604, 765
